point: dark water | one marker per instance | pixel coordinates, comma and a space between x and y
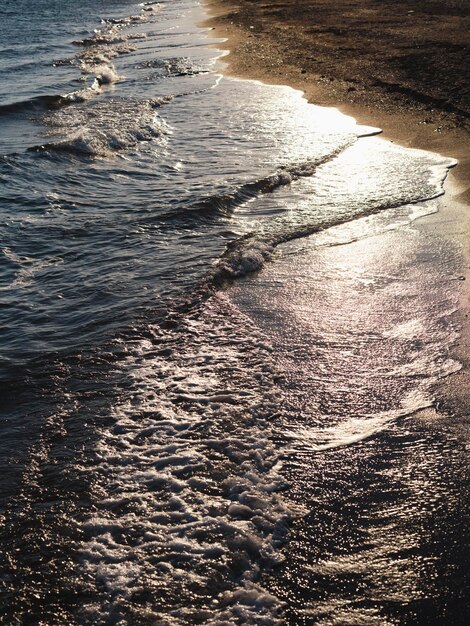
180, 444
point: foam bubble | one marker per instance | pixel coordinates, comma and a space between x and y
106, 75
106, 43
246, 258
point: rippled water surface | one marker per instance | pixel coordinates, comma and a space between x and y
223, 330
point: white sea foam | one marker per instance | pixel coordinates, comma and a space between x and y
105, 128
252, 253
406, 330
249, 257
109, 42
137, 36
106, 74
82, 95
190, 496
427, 365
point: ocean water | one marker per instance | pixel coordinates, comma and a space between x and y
222, 335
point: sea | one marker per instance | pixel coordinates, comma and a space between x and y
225, 314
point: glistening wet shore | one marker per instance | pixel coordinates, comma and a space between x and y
399, 66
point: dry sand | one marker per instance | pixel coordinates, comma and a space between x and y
401, 65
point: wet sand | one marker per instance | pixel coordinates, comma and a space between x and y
400, 66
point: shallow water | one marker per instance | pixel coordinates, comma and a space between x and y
179, 446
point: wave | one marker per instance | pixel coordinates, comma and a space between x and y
112, 34
103, 129
43, 104
104, 45
109, 35
223, 204
151, 6
106, 75
191, 445
94, 61
38, 104
99, 49
354, 430
109, 42
249, 253
187, 507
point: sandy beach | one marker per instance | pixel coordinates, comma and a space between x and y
399, 66
397, 62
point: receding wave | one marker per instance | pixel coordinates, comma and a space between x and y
191, 449
249, 253
223, 204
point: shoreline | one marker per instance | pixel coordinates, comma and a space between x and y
406, 128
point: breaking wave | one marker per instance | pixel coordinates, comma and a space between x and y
224, 204
105, 128
248, 253
99, 49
